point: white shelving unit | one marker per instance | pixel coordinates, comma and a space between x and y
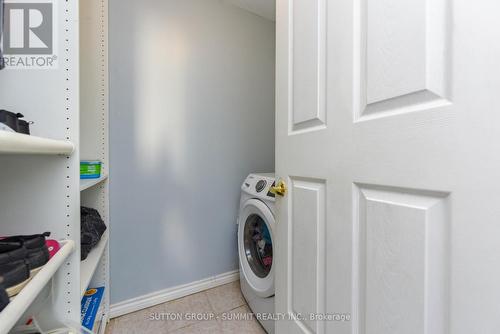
40, 177
90, 264
16, 143
94, 271
89, 183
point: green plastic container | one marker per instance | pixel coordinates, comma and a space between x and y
90, 169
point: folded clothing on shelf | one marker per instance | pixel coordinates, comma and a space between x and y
92, 228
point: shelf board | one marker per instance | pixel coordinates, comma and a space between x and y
89, 266
89, 183
20, 303
17, 143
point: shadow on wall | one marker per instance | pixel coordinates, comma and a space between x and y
192, 113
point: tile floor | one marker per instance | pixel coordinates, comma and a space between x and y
215, 305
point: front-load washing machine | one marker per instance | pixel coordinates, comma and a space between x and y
256, 231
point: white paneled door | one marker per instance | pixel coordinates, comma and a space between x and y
388, 138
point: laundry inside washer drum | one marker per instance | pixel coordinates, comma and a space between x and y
258, 246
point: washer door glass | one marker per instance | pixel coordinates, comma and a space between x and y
258, 246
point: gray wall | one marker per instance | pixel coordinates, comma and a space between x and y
192, 113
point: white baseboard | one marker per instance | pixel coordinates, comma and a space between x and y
176, 292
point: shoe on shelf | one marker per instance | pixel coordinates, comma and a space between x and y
14, 276
37, 253
4, 298
31, 242
11, 252
36, 261
53, 246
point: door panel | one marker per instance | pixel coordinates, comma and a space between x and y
396, 48
308, 39
307, 293
405, 157
404, 50
403, 261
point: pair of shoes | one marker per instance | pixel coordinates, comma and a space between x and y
15, 276
21, 257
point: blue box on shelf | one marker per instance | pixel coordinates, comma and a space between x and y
91, 302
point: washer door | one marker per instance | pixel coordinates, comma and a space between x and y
255, 243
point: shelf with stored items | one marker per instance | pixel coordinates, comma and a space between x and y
22, 301
40, 175
89, 265
40, 179
93, 128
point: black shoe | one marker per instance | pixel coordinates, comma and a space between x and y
11, 252
14, 277
4, 298
35, 245
31, 242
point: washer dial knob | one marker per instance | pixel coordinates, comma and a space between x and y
261, 185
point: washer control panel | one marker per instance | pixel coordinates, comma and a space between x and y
259, 185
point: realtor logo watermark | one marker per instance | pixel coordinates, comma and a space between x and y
29, 36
